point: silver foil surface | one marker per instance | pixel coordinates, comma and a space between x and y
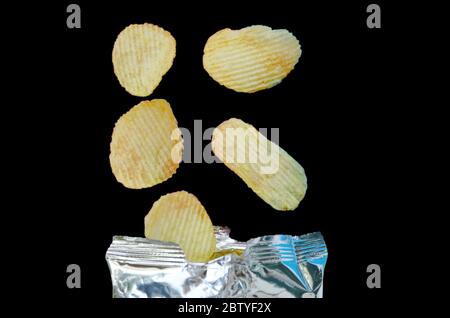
271, 266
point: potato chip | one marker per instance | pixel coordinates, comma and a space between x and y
179, 217
142, 54
250, 59
146, 145
266, 168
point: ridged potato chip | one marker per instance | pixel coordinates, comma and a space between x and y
146, 145
250, 59
142, 54
264, 166
179, 217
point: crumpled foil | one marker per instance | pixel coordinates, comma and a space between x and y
271, 266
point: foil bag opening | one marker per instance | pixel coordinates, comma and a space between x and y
271, 266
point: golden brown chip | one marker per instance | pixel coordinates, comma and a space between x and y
179, 217
142, 54
250, 59
266, 168
146, 145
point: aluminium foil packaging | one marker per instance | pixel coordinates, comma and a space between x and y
271, 266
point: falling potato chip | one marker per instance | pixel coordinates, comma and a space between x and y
142, 54
146, 145
179, 217
250, 59
266, 168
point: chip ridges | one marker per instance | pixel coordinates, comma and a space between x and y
142, 54
179, 217
142, 145
284, 189
251, 59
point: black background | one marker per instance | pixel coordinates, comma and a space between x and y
333, 110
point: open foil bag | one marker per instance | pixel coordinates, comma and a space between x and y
271, 266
